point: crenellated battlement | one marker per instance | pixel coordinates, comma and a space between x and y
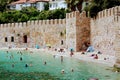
36, 22
114, 11
70, 15
75, 14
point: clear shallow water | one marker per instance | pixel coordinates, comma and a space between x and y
36, 69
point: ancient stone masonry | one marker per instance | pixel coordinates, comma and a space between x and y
105, 32
31, 33
82, 31
77, 30
117, 37
71, 32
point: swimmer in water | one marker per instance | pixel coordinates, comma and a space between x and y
20, 58
26, 65
7, 51
20, 52
54, 56
12, 56
62, 71
61, 58
45, 63
12, 65
72, 69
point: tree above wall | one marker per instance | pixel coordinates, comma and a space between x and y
99, 5
73, 5
4, 3
27, 14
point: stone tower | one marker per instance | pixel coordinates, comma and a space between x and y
77, 30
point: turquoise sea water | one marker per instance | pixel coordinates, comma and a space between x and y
13, 67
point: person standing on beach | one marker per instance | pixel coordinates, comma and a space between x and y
71, 52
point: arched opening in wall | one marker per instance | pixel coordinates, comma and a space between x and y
25, 38
12, 39
6, 40
62, 42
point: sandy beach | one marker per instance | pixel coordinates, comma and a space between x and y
102, 58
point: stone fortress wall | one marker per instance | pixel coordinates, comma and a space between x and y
69, 32
77, 30
105, 32
31, 33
